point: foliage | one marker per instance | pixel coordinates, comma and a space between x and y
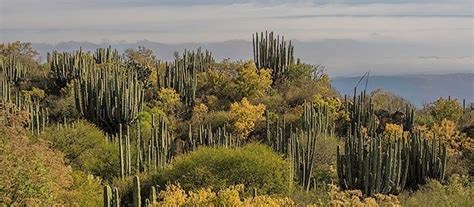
61, 108
32, 173
459, 191
325, 162
22, 50
255, 166
449, 109
35, 94
447, 131
296, 92
85, 148
86, 190
334, 105
394, 131
385, 100
245, 115
304, 71
174, 195
456, 141
355, 198
143, 55
168, 99
252, 82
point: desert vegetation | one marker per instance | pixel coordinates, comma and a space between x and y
104, 128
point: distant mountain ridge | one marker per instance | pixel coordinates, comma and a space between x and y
418, 89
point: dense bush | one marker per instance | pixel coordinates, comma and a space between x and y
449, 109
85, 148
458, 192
174, 195
325, 161
31, 173
255, 166
86, 190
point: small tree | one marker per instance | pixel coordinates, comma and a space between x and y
449, 109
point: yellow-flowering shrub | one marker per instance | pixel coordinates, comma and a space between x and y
394, 132
168, 96
174, 195
355, 198
334, 105
245, 115
252, 82
447, 131
456, 141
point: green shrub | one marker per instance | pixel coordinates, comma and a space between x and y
458, 192
255, 166
85, 148
31, 174
325, 162
85, 190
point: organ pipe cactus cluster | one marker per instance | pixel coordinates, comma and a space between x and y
181, 75
38, 116
375, 166
269, 51
206, 136
152, 153
13, 70
362, 114
66, 66
109, 96
111, 197
299, 144
106, 55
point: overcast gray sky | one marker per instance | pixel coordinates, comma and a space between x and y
445, 26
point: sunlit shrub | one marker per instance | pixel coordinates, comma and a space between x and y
255, 166
245, 115
459, 191
174, 195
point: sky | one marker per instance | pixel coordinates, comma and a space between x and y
437, 35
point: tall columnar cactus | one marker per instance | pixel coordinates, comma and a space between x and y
38, 116
107, 196
106, 55
362, 114
115, 198
427, 160
109, 96
272, 52
136, 192
13, 70
153, 198
67, 66
122, 163
299, 145
207, 136
377, 165
181, 75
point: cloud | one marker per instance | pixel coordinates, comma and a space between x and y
382, 25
